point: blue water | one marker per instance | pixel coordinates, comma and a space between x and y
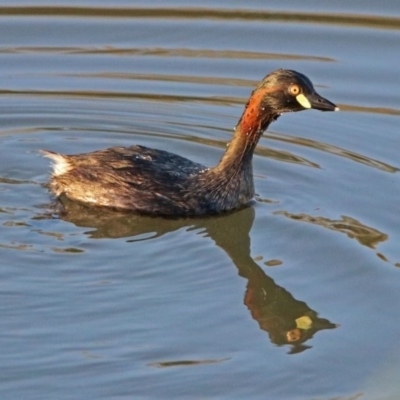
295, 297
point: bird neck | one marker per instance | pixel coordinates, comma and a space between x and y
254, 121
230, 183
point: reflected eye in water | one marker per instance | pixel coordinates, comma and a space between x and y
293, 335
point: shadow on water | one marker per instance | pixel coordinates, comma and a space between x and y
354, 229
287, 321
365, 235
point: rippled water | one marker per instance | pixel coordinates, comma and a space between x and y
295, 297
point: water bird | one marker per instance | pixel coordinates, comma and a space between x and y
158, 182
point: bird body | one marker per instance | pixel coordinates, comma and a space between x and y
157, 182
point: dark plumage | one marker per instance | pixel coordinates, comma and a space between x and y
161, 183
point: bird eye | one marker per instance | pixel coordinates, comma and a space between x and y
294, 90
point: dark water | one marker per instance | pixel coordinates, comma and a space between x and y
296, 297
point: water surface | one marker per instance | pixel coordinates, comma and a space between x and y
295, 297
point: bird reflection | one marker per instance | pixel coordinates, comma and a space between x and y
287, 321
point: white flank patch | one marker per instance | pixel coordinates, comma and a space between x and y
61, 165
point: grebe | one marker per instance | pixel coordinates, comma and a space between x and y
157, 182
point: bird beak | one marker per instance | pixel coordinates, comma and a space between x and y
314, 100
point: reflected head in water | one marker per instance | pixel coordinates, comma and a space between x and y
287, 320
157, 182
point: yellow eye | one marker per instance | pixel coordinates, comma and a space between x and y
294, 90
